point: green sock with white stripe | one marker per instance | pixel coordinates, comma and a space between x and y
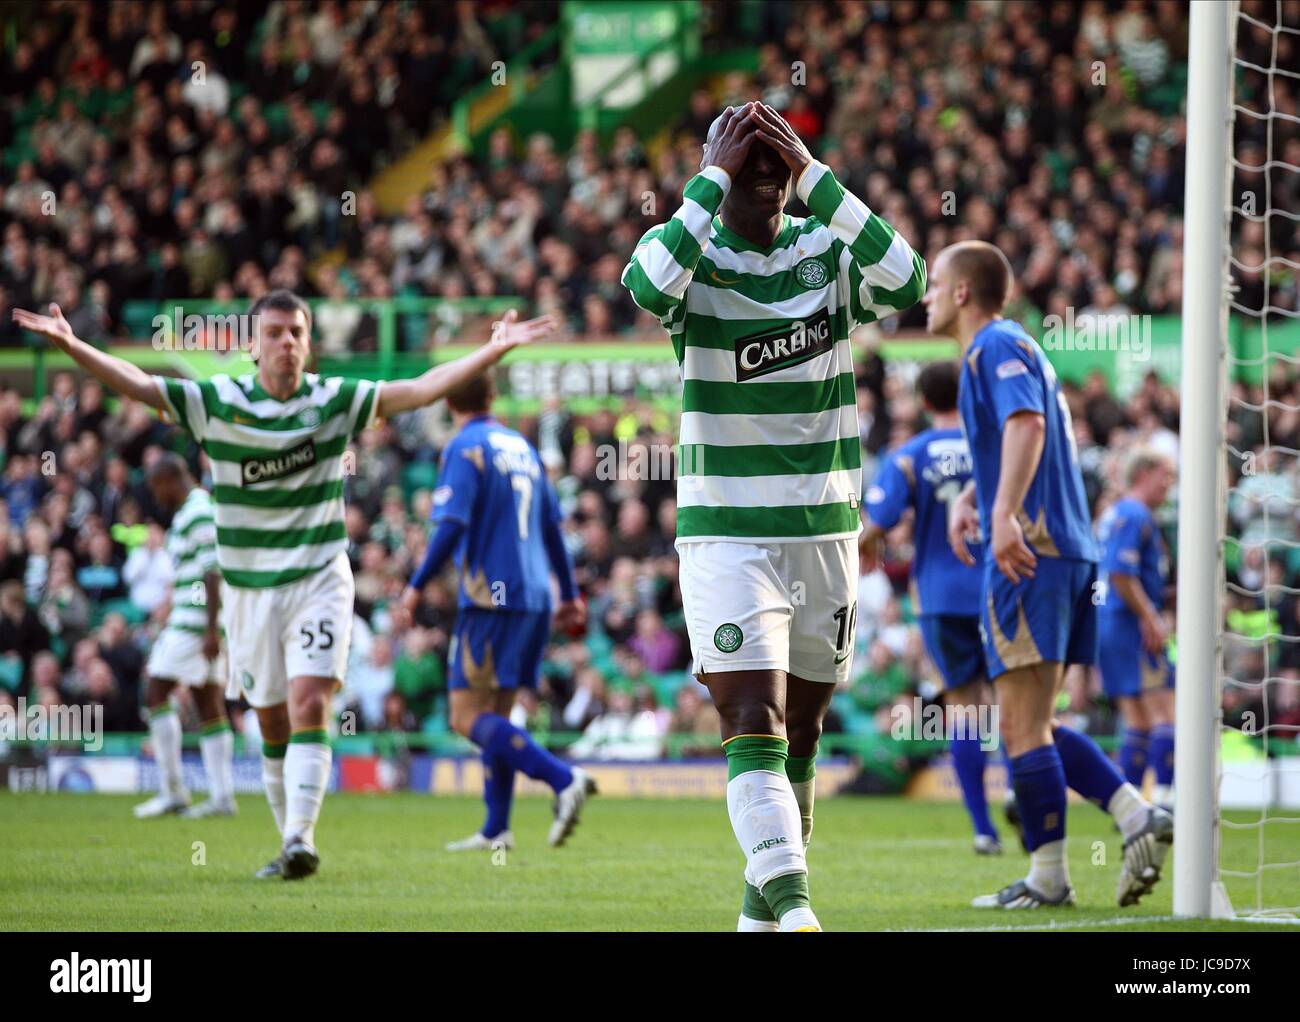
765, 818
165, 737
756, 916
217, 746
306, 777
273, 754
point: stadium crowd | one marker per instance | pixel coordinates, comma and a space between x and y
171, 187
167, 187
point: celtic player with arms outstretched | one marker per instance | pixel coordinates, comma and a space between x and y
276, 440
759, 306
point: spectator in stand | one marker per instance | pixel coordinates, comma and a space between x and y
22, 636
148, 571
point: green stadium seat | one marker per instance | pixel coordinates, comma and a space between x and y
418, 475
11, 672
133, 614
666, 685
137, 318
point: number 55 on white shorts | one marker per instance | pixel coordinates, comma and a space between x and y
302, 628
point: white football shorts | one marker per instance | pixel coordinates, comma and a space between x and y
177, 655
771, 606
303, 628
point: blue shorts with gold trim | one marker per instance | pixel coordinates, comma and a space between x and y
953, 642
497, 649
1050, 617
1127, 669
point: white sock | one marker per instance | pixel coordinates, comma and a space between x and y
765, 818
796, 918
273, 782
306, 776
165, 735
1049, 873
1163, 794
746, 925
804, 792
1129, 809
218, 752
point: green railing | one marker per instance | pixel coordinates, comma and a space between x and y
448, 743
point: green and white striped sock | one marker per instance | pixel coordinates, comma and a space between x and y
217, 746
165, 736
755, 915
273, 780
306, 776
765, 818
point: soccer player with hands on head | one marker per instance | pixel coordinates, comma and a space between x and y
759, 307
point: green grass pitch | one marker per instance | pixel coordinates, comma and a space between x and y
71, 862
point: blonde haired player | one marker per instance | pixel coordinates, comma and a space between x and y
276, 440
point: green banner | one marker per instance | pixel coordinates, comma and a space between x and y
622, 26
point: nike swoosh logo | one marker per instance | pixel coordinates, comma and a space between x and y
721, 281
841, 659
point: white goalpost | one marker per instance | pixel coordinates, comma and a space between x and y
1259, 882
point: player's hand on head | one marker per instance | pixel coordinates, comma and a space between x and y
1010, 551
508, 332
53, 326
775, 130
730, 146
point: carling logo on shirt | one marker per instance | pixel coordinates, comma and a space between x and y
773, 350
276, 466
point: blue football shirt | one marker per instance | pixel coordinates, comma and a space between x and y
926, 474
1132, 545
1005, 372
492, 481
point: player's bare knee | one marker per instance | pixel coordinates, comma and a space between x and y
752, 717
462, 719
273, 722
210, 702
1134, 712
157, 692
803, 736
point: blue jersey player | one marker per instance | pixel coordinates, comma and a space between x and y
1131, 656
496, 515
1038, 612
926, 475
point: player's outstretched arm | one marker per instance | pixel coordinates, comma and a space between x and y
886, 276
507, 334
116, 374
665, 258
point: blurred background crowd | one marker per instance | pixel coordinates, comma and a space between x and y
1054, 130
